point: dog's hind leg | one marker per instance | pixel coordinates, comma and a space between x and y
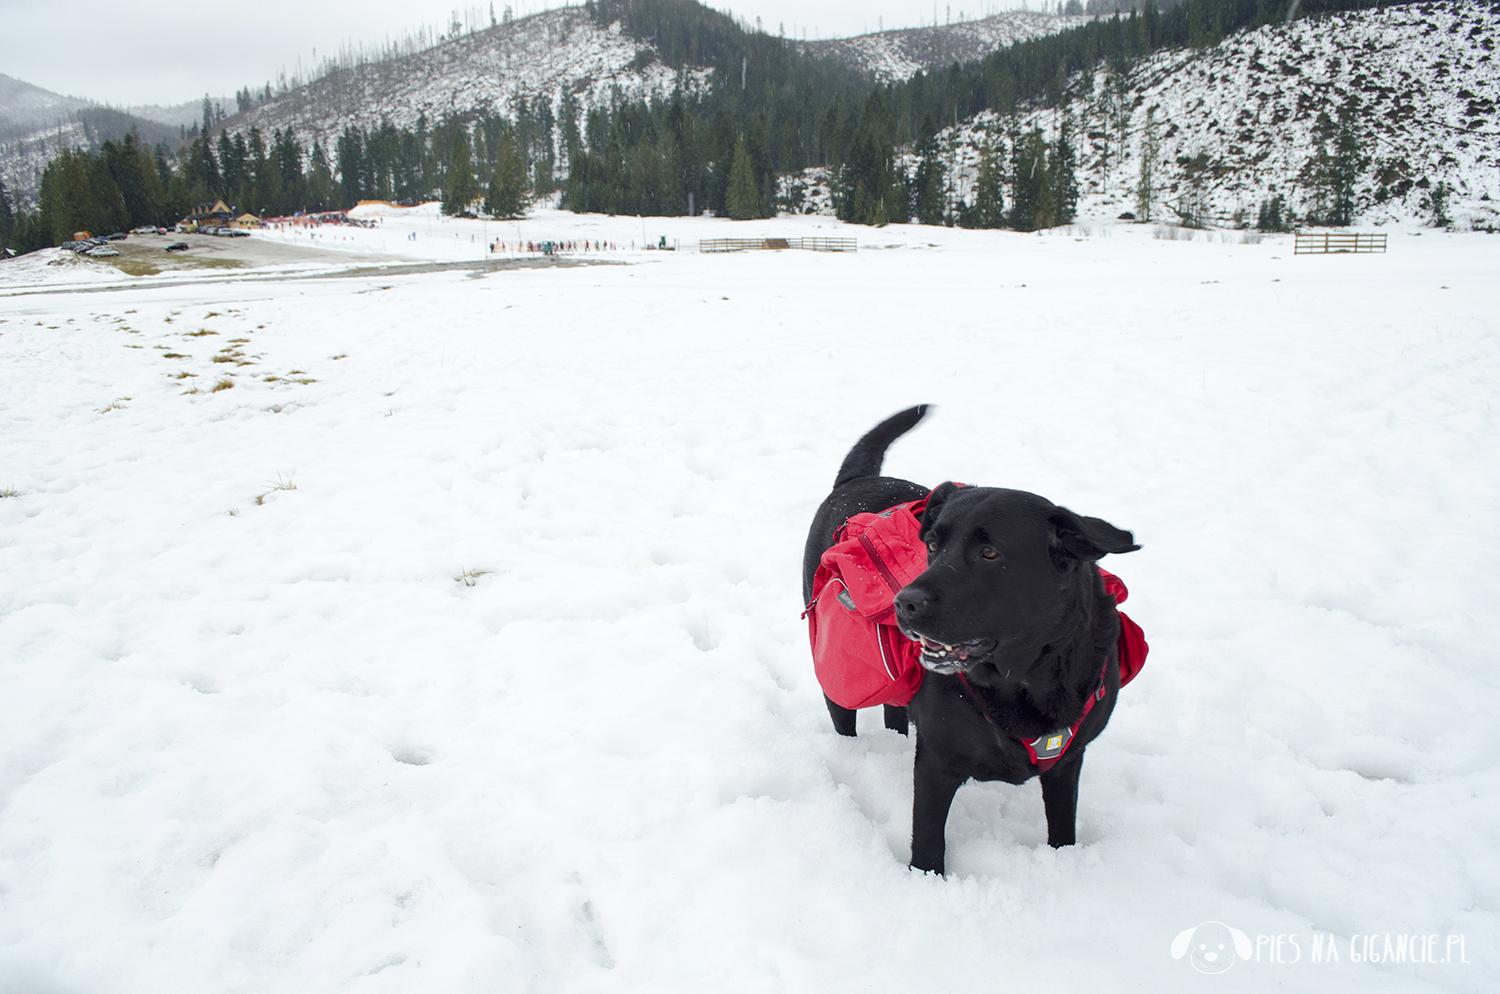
843, 718
1060, 800
895, 718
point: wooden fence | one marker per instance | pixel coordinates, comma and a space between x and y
753, 244
1324, 243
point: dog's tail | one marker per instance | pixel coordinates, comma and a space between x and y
869, 452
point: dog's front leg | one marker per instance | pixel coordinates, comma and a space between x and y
1060, 800
932, 795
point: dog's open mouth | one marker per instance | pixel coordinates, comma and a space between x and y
939, 657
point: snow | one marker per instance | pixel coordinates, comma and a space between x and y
505, 687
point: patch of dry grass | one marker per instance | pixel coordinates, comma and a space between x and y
282, 483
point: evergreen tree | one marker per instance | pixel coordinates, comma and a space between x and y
1347, 163
1272, 216
1031, 205
110, 213
7, 217
508, 193
320, 186
349, 152
867, 189
1190, 201
460, 189
988, 209
1145, 188
265, 178
1316, 180
29, 232
232, 164
928, 203
132, 169
287, 161
1062, 170
202, 176
1437, 203
67, 197
742, 199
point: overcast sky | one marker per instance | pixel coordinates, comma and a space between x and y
125, 52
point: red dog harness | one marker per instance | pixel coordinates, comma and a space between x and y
860, 656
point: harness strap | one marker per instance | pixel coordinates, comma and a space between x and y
1045, 750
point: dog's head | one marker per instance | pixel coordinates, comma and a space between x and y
1006, 572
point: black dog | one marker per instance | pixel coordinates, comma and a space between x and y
1015, 629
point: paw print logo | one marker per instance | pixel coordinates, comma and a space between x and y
1211, 947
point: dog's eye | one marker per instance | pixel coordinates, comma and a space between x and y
989, 552
932, 546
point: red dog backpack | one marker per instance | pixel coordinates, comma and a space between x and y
859, 654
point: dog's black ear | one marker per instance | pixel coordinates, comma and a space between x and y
935, 501
1088, 538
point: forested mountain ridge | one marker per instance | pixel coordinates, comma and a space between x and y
544, 56
1258, 117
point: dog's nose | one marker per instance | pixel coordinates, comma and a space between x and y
910, 603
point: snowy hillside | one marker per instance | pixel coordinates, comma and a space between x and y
1425, 79
26, 150
34, 125
544, 55
563, 50
893, 56
22, 105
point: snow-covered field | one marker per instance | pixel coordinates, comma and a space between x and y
455, 647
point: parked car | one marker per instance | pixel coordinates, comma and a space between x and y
178, 247
235, 232
118, 236
99, 251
